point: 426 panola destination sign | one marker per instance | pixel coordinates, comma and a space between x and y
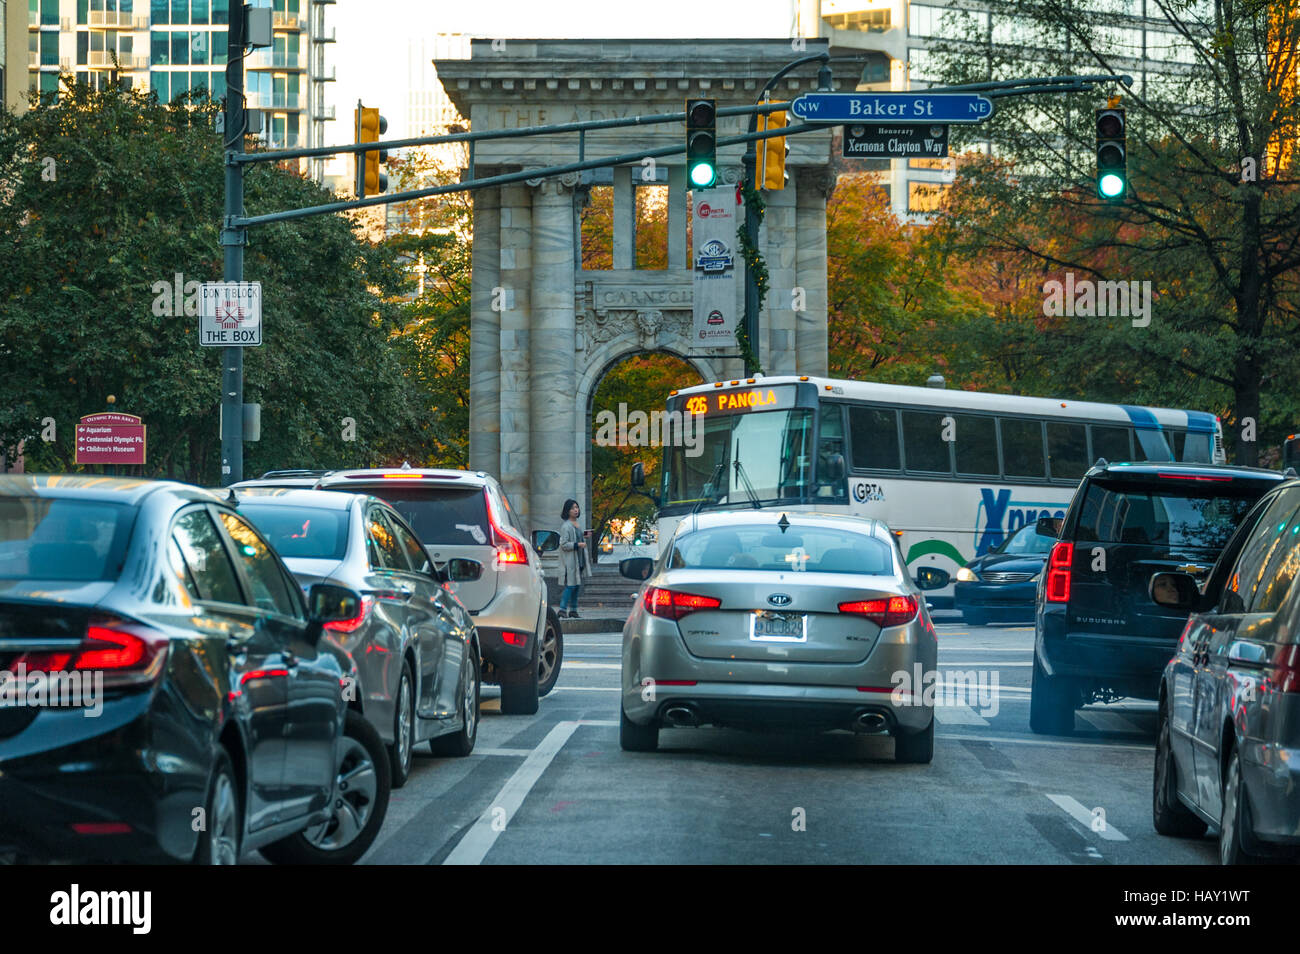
892, 107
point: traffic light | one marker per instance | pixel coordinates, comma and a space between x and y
1112, 162
701, 143
370, 126
771, 153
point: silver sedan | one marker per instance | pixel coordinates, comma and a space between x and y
779, 621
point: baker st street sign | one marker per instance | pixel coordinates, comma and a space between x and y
892, 107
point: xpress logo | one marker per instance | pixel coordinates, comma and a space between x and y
999, 516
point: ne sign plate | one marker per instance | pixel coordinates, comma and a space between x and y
889, 108
230, 314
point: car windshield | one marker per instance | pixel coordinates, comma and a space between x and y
307, 532
1026, 540
440, 516
1163, 516
62, 539
765, 547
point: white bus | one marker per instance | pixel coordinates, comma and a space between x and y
955, 471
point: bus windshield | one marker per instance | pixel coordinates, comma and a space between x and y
773, 448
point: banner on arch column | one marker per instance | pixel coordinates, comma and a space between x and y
716, 263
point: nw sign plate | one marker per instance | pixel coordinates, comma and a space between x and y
892, 107
230, 314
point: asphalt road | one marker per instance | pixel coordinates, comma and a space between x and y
556, 788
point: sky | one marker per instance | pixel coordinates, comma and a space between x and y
371, 52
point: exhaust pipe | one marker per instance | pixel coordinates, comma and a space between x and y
869, 722
681, 715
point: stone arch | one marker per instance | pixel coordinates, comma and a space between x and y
609, 355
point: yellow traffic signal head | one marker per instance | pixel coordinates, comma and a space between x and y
370, 126
770, 170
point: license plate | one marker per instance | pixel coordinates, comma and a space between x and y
778, 627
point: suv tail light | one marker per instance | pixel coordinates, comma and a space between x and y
673, 604
510, 549
1284, 674
1058, 573
125, 652
894, 611
355, 623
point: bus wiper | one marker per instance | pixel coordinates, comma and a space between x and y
713, 483
749, 488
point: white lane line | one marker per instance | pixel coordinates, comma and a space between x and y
604, 722
587, 689
958, 715
983, 662
999, 740
478, 841
1109, 721
519, 753
995, 649
1084, 817
579, 664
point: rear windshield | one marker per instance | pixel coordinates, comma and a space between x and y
1164, 516
451, 516
308, 532
60, 539
765, 547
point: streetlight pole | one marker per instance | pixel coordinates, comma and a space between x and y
824, 83
232, 242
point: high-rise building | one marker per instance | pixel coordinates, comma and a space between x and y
900, 35
429, 110
13, 47
171, 47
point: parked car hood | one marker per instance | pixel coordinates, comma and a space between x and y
1009, 562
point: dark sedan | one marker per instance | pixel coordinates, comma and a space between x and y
1228, 742
1002, 585
414, 644
164, 691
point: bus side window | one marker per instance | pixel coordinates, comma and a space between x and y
873, 438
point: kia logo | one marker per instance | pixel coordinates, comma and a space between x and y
780, 599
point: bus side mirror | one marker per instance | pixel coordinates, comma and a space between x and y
1048, 526
638, 474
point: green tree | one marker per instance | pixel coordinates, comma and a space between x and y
1212, 218
104, 198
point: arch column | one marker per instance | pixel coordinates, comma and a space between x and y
554, 472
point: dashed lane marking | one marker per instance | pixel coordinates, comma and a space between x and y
1084, 817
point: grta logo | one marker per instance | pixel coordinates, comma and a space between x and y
780, 599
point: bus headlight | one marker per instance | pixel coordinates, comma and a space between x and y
967, 575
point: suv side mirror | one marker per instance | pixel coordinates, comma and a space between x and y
638, 474
544, 541
1048, 526
1174, 590
636, 568
460, 570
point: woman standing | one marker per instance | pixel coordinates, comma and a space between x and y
572, 549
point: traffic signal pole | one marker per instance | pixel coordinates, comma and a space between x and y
233, 237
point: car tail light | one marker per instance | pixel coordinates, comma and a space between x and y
891, 611
101, 828
1058, 573
1284, 674
510, 549
124, 652
514, 639
673, 604
355, 623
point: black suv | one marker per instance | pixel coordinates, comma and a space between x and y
1098, 635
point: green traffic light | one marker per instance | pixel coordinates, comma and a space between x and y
702, 175
1110, 186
